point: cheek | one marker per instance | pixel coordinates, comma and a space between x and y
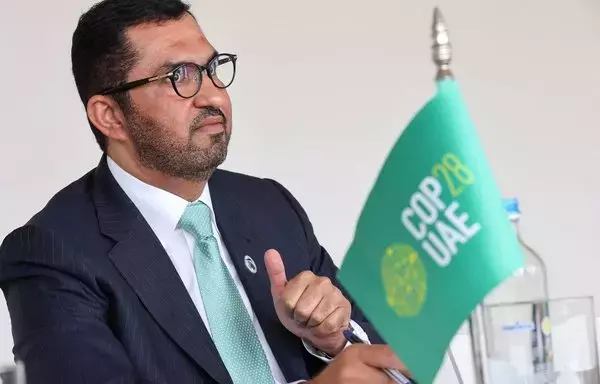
227, 110
173, 118
170, 113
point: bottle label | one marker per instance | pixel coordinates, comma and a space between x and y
519, 326
542, 357
541, 345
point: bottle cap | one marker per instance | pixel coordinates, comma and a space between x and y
512, 206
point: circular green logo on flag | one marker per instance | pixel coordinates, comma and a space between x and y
404, 280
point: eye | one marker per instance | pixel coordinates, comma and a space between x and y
180, 74
186, 73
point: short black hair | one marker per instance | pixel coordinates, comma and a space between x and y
101, 56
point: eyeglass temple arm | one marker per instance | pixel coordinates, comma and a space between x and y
134, 84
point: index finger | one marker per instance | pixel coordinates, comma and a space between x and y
382, 357
295, 288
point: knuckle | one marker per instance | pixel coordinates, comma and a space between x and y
340, 298
323, 281
347, 304
305, 275
288, 304
347, 312
339, 293
329, 326
301, 314
318, 317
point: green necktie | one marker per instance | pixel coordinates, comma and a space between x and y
230, 324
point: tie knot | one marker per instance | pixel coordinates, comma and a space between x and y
197, 220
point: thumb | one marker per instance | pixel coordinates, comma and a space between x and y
276, 272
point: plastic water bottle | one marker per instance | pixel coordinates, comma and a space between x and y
529, 283
513, 328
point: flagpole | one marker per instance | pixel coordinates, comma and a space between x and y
442, 57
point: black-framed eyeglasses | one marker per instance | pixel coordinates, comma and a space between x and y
186, 78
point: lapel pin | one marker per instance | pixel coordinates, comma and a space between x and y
250, 264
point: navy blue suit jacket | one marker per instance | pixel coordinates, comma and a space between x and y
93, 296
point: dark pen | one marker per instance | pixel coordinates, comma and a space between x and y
394, 374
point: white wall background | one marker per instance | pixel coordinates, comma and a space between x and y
325, 87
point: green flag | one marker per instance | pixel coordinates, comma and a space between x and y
433, 237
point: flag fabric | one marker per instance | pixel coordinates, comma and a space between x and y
433, 237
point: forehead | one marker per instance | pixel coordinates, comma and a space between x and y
170, 41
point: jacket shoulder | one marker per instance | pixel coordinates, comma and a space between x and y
66, 206
62, 215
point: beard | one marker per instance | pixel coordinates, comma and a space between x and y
163, 151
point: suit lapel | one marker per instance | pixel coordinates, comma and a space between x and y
143, 262
243, 239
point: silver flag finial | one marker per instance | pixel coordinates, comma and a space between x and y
441, 48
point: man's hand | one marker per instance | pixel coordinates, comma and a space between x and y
309, 306
360, 363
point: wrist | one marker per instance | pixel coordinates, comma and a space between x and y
336, 348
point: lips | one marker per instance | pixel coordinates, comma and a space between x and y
214, 120
211, 125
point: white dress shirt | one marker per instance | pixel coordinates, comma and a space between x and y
162, 210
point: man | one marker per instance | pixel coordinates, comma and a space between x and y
157, 268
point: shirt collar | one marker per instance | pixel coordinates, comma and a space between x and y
161, 209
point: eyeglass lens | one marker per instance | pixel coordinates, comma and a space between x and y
188, 78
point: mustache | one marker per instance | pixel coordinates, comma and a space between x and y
205, 113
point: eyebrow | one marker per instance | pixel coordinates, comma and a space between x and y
167, 66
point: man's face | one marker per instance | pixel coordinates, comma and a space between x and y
184, 138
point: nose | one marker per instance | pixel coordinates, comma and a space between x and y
210, 95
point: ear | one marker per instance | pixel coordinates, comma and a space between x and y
107, 117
